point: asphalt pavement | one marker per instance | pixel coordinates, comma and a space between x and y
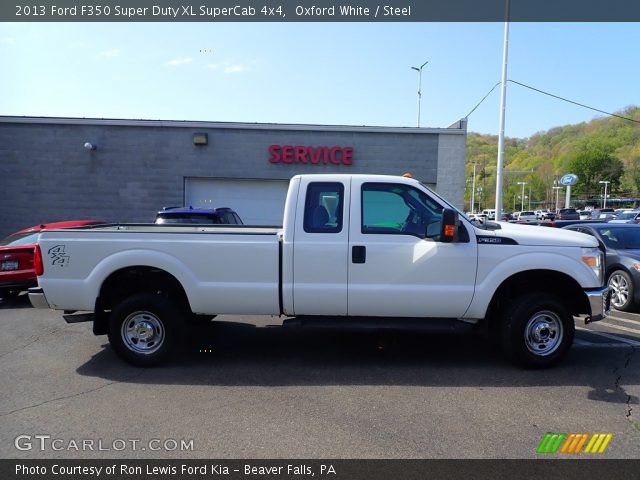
248, 388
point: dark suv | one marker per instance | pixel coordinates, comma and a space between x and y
568, 214
202, 216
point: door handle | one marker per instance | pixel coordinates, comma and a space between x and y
358, 254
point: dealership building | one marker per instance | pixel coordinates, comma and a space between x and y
126, 170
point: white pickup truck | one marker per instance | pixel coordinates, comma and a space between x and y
355, 251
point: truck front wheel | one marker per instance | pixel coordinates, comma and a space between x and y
536, 330
143, 329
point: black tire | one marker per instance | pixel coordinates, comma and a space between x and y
536, 330
622, 290
145, 329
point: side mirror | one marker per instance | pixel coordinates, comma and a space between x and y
450, 223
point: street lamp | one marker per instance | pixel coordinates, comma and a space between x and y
419, 70
604, 200
473, 188
522, 198
556, 187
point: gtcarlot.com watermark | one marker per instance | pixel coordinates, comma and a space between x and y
43, 443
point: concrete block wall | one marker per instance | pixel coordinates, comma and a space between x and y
47, 175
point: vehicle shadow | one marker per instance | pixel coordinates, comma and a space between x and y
19, 301
235, 354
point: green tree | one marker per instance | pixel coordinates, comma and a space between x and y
592, 166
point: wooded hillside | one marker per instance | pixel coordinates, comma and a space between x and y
604, 149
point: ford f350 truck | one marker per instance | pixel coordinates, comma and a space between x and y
354, 250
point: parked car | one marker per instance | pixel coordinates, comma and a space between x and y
16, 256
490, 213
604, 214
627, 217
568, 214
214, 216
527, 216
584, 214
621, 243
545, 214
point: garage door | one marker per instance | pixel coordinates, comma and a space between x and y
258, 202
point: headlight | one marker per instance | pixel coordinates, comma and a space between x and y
594, 259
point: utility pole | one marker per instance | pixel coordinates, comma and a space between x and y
503, 106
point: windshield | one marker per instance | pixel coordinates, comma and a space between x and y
447, 204
621, 238
626, 215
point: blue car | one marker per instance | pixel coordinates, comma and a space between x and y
621, 244
200, 216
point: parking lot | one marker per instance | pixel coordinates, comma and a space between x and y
248, 388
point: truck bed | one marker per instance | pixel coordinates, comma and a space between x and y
205, 259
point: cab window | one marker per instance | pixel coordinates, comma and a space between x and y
323, 207
389, 208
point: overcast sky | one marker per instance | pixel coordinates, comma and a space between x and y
319, 73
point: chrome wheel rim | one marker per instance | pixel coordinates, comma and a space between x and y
620, 290
543, 333
142, 332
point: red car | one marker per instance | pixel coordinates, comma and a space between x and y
16, 256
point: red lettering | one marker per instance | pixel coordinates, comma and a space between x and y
325, 150
287, 154
291, 154
274, 150
347, 155
334, 155
315, 154
301, 154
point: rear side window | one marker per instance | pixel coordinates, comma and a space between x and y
323, 207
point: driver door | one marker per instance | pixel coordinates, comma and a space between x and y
397, 265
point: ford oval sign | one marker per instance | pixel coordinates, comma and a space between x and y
569, 179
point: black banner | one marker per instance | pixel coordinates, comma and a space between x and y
320, 11
256, 469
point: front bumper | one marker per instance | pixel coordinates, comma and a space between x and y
37, 298
599, 303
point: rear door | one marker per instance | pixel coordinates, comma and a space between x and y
320, 247
397, 264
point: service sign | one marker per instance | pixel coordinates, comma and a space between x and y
291, 154
569, 179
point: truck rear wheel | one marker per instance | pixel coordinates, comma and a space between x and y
536, 330
144, 329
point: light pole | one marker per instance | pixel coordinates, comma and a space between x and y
604, 200
522, 198
473, 189
503, 106
419, 70
556, 187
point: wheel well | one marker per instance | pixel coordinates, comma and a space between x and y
613, 268
547, 281
129, 281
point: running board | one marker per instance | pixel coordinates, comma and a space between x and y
79, 317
